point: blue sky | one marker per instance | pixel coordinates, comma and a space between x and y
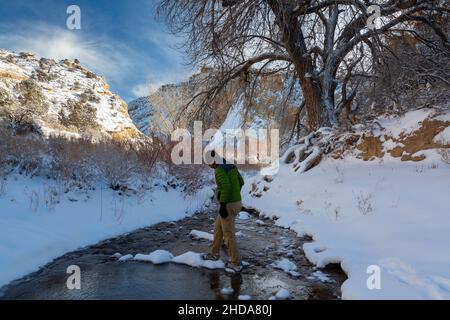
119, 39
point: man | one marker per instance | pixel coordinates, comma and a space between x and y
229, 184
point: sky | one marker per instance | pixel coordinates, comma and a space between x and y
120, 40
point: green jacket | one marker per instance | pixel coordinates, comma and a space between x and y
229, 183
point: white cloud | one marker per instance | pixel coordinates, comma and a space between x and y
155, 82
142, 90
104, 56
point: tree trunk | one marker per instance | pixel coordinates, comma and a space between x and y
312, 91
295, 45
314, 104
312, 94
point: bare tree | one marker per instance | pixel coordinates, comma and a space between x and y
322, 43
414, 72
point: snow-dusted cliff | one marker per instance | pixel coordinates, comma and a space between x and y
273, 102
65, 90
141, 111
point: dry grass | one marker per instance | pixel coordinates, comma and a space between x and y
79, 162
364, 202
445, 155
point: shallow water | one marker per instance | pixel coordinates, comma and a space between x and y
103, 277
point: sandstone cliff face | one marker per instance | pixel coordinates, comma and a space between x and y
273, 102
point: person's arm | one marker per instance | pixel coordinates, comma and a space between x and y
241, 180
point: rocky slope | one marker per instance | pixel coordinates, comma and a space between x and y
60, 98
142, 112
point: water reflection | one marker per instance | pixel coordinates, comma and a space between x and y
235, 282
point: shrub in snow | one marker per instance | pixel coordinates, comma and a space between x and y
26, 154
192, 177
52, 197
445, 155
43, 75
29, 106
79, 163
78, 114
89, 96
5, 100
90, 75
364, 202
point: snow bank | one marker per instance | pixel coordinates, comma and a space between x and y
37, 227
443, 137
387, 214
409, 122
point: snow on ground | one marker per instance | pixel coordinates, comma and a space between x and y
201, 235
196, 234
232, 122
406, 124
386, 213
287, 266
243, 216
195, 260
319, 275
443, 137
126, 257
189, 258
284, 264
240, 234
156, 257
39, 222
282, 294
227, 291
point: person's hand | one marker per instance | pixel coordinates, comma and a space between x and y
223, 210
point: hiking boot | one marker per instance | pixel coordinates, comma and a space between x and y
210, 256
235, 269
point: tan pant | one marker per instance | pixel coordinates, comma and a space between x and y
224, 228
